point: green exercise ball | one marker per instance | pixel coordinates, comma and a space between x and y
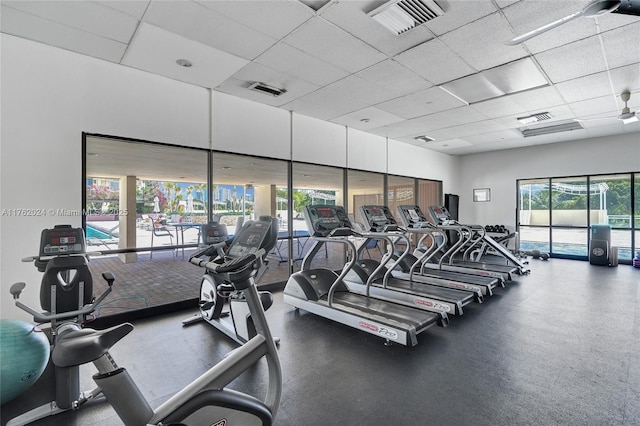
24, 353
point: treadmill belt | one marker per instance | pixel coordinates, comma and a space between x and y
426, 290
385, 312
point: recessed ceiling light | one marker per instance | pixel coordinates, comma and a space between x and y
514, 77
365, 120
184, 63
553, 128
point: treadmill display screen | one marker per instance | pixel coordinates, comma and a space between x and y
377, 217
325, 212
214, 233
322, 219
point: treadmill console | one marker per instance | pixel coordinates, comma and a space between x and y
378, 218
214, 232
249, 239
412, 216
440, 214
62, 240
322, 219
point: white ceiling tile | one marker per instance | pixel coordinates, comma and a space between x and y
448, 145
481, 44
525, 16
626, 78
196, 22
320, 38
347, 95
421, 103
322, 111
367, 118
601, 106
394, 77
459, 13
274, 18
32, 27
135, 8
579, 89
573, 60
352, 17
293, 61
435, 62
427, 124
614, 20
464, 130
622, 45
156, 50
88, 17
531, 100
505, 3
254, 72
494, 137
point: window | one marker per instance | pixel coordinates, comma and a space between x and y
400, 191
246, 187
146, 204
314, 184
576, 204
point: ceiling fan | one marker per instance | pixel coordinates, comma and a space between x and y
626, 115
593, 9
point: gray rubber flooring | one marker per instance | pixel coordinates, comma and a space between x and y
558, 347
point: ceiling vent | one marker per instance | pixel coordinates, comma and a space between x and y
556, 128
425, 139
535, 118
265, 88
402, 15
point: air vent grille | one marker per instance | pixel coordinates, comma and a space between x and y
535, 118
400, 16
425, 139
265, 88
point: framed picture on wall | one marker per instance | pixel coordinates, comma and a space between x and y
482, 194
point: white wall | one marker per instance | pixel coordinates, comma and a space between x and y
410, 160
499, 171
366, 151
243, 126
317, 141
49, 97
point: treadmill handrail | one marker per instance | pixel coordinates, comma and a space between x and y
387, 236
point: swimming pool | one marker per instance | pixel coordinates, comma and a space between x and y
94, 232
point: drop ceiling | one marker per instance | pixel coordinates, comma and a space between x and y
338, 64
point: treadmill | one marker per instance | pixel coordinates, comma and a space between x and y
369, 276
442, 218
379, 218
323, 292
441, 214
413, 218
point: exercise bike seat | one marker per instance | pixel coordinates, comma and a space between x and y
86, 345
